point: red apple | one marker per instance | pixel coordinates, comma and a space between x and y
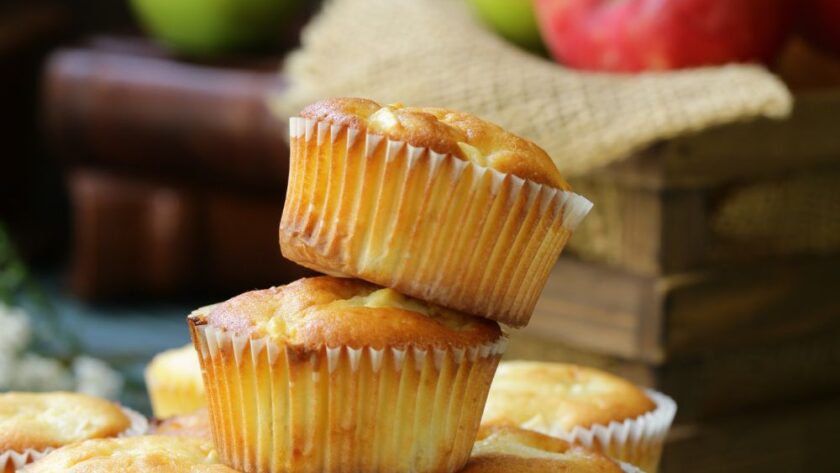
820, 23
639, 35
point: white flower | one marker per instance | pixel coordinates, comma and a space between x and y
36, 373
16, 330
31, 372
7, 370
95, 378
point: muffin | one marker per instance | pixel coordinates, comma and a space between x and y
328, 374
33, 424
196, 425
583, 406
173, 379
144, 454
509, 450
437, 204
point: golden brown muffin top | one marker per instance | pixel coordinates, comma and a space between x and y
196, 425
512, 450
145, 454
179, 365
547, 396
327, 311
49, 420
460, 134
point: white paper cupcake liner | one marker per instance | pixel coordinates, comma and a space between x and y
280, 408
637, 441
430, 225
139, 423
12, 460
628, 468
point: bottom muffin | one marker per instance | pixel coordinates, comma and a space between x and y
513, 450
144, 454
336, 375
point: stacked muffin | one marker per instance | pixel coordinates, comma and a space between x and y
434, 226
329, 374
437, 204
451, 225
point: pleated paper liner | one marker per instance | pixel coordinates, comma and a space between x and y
139, 423
277, 408
429, 225
11, 460
628, 468
637, 441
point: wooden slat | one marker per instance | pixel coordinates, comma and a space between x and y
744, 151
610, 311
661, 211
728, 307
797, 438
566, 311
652, 232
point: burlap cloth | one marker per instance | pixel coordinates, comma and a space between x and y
433, 53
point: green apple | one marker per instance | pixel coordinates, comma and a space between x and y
208, 27
513, 19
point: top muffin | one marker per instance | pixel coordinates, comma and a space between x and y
326, 311
39, 421
459, 134
434, 203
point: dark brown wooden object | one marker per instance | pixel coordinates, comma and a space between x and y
177, 170
138, 237
654, 319
782, 440
729, 195
28, 180
128, 107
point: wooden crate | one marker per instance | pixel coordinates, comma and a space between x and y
653, 319
737, 193
798, 438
